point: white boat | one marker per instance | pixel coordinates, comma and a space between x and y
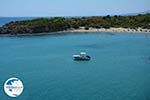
81, 56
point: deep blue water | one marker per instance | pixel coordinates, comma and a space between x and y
4, 20
119, 68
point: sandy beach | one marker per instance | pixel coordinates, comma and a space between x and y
82, 29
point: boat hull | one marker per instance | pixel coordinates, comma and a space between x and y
82, 58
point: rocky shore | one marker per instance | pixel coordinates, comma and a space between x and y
82, 29
5, 31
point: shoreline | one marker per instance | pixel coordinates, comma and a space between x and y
117, 30
82, 29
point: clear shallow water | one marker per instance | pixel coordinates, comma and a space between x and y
119, 68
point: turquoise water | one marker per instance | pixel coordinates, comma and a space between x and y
119, 68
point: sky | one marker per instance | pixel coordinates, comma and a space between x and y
46, 8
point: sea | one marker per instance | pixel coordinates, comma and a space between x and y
119, 68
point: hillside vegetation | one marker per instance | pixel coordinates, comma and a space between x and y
40, 25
